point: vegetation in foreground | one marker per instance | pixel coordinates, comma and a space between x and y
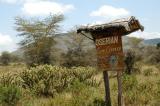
48, 85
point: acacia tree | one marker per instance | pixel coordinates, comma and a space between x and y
80, 51
129, 61
38, 38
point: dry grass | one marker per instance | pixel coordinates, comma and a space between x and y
13, 68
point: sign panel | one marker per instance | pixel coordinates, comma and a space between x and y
110, 53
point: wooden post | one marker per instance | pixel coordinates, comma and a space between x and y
107, 88
119, 75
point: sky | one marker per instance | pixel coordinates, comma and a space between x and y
78, 12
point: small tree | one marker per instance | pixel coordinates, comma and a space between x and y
158, 45
129, 61
80, 51
136, 45
134, 42
151, 55
5, 58
16, 59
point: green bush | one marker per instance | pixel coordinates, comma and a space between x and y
81, 94
5, 58
86, 75
84, 95
10, 79
129, 61
47, 80
158, 66
9, 95
51, 81
98, 102
129, 82
139, 93
148, 72
137, 68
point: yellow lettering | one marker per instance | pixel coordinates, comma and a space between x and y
107, 40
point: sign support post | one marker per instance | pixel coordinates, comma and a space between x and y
107, 89
119, 80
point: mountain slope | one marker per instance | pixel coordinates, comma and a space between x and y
152, 41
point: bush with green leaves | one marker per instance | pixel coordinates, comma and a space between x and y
86, 75
81, 94
129, 61
138, 93
10, 79
47, 80
5, 58
129, 82
148, 72
51, 81
98, 102
9, 95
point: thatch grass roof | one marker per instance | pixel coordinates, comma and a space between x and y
125, 25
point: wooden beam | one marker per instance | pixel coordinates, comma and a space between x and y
119, 79
107, 88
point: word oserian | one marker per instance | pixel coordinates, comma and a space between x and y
107, 40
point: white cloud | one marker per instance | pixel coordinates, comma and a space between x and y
41, 7
33, 0
146, 35
110, 12
94, 23
5, 40
9, 1
20, 1
7, 43
45, 8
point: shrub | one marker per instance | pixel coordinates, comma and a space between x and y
5, 58
145, 92
158, 89
139, 93
158, 66
47, 80
10, 79
86, 75
81, 94
129, 61
9, 95
137, 68
148, 72
129, 82
98, 102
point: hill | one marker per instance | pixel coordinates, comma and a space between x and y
152, 41
61, 44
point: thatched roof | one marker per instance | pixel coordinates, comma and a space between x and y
126, 25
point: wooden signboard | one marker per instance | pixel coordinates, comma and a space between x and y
110, 53
108, 41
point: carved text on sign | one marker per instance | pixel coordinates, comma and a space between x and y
107, 40
110, 53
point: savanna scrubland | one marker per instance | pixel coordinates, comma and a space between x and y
59, 69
